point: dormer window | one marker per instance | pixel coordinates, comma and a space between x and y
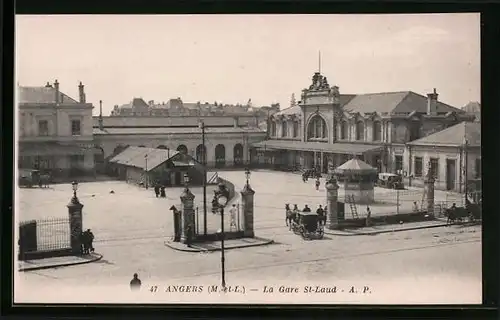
295, 129
377, 131
284, 129
360, 130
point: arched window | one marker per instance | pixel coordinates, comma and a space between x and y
317, 128
238, 154
220, 155
377, 131
201, 152
273, 128
360, 130
284, 129
182, 149
344, 133
295, 129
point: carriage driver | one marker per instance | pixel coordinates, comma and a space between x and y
321, 212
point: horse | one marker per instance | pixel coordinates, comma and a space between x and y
474, 211
455, 215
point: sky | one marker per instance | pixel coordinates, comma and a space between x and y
234, 58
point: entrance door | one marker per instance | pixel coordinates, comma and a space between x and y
450, 174
326, 158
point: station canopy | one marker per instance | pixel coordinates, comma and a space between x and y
341, 148
150, 158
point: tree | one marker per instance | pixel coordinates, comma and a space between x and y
293, 102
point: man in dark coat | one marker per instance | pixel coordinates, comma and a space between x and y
157, 189
306, 209
135, 283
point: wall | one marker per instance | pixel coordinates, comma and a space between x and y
117, 121
59, 121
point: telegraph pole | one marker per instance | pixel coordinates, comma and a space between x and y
204, 162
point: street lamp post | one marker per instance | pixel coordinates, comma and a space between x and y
222, 201
146, 171
204, 162
465, 169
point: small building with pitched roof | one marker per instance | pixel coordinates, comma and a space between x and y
329, 126
453, 155
148, 166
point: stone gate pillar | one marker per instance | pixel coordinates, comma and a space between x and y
187, 200
75, 225
247, 195
332, 189
429, 192
332, 192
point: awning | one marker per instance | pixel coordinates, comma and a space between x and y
342, 148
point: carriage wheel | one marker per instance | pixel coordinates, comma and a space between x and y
321, 233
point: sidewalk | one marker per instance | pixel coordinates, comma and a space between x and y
30, 265
215, 245
387, 228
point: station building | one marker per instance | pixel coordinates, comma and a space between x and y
329, 126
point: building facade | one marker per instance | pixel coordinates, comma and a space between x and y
55, 131
453, 155
227, 139
176, 107
329, 126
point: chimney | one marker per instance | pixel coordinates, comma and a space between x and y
58, 95
81, 92
101, 125
432, 103
48, 85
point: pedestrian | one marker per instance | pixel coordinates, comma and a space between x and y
232, 217
135, 283
321, 215
317, 183
306, 209
83, 242
162, 192
157, 189
415, 206
368, 216
90, 240
215, 203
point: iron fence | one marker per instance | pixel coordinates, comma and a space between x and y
233, 222
52, 234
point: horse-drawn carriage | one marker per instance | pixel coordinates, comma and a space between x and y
308, 225
471, 211
32, 177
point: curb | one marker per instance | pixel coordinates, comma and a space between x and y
195, 249
386, 231
96, 257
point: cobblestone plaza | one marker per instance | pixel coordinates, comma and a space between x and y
132, 225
